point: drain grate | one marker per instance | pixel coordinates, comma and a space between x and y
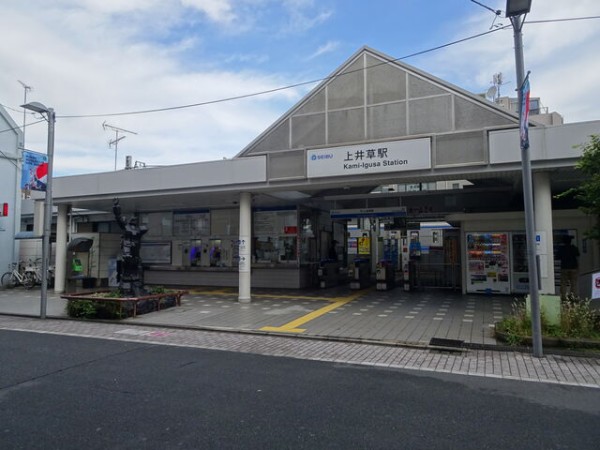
441, 342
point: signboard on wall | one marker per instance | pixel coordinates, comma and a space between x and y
364, 245
191, 224
596, 285
394, 156
275, 223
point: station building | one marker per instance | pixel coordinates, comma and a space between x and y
380, 166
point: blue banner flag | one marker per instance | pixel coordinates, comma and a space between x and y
34, 171
524, 118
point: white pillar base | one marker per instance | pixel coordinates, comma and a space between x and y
60, 257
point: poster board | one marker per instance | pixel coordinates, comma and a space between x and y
156, 252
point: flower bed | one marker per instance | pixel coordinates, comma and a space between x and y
109, 305
576, 326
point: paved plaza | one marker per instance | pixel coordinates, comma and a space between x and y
368, 315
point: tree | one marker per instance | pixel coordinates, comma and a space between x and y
588, 192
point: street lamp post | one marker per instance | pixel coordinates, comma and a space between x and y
515, 10
51, 118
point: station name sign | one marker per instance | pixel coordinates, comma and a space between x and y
393, 156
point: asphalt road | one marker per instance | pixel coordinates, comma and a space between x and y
80, 393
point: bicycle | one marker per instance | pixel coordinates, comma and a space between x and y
17, 275
33, 275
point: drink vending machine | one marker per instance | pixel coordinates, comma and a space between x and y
488, 263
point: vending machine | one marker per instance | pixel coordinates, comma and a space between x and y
488, 263
519, 266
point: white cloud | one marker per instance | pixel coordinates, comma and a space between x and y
562, 57
220, 11
106, 56
80, 62
303, 17
324, 49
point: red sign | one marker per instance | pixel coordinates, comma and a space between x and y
290, 230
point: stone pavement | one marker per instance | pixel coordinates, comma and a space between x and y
339, 313
366, 315
564, 370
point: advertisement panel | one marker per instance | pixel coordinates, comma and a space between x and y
34, 172
394, 156
596, 285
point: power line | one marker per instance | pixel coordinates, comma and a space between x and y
9, 159
12, 109
18, 128
564, 20
304, 83
270, 91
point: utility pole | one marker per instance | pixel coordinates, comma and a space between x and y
516, 11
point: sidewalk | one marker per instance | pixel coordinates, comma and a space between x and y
340, 325
564, 370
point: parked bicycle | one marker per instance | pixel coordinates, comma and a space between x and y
17, 275
33, 275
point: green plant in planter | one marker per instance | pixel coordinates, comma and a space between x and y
100, 305
577, 318
517, 325
116, 293
82, 309
158, 290
577, 321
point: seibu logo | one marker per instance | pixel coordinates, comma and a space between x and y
326, 156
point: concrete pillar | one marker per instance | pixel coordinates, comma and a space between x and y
60, 262
245, 251
543, 222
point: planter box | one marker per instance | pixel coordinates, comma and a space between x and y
104, 307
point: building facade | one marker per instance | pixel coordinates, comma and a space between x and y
11, 143
313, 180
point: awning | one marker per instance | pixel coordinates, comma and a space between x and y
80, 244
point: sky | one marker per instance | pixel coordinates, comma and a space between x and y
102, 58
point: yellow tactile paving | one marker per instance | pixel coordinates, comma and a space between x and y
292, 327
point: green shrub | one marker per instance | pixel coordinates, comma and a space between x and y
89, 309
158, 290
81, 309
517, 325
578, 320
